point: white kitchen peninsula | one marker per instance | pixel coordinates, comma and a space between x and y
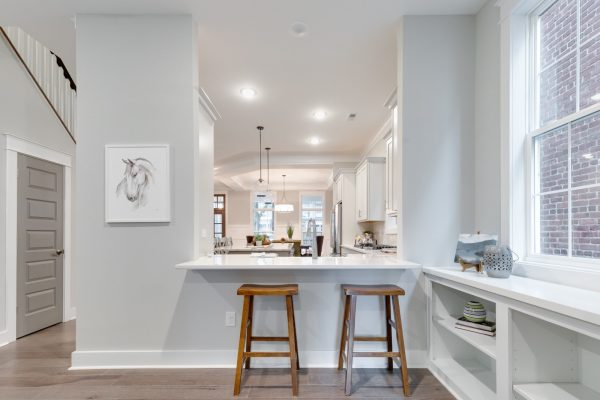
250, 262
318, 306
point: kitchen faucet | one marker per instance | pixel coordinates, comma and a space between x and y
312, 231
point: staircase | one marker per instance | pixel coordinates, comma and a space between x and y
48, 72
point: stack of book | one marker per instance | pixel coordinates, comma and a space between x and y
485, 328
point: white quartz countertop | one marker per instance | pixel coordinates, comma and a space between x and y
248, 262
578, 303
367, 251
275, 247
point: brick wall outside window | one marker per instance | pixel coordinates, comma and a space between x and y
553, 186
567, 165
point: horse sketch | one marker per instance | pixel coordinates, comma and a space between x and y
136, 180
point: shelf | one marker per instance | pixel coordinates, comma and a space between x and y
555, 391
483, 343
469, 377
573, 302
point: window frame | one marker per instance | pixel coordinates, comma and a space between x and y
253, 210
301, 209
531, 151
223, 213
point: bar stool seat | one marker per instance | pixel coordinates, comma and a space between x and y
245, 352
373, 290
267, 290
347, 353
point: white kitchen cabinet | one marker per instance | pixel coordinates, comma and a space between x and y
344, 188
370, 190
390, 199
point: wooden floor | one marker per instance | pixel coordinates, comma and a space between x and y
35, 367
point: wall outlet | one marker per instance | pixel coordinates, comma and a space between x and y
230, 318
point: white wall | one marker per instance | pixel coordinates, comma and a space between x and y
25, 114
437, 81
136, 77
487, 120
436, 66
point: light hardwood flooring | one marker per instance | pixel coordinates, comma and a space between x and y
36, 367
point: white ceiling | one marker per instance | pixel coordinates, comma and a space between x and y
296, 179
346, 63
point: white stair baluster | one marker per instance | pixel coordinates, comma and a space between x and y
42, 65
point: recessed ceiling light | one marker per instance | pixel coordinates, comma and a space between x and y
596, 97
298, 29
248, 93
314, 141
320, 115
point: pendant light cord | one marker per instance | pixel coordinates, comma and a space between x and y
260, 129
284, 200
268, 149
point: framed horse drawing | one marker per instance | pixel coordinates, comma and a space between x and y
137, 183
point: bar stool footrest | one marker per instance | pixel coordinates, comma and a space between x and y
270, 339
266, 354
370, 339
376, 354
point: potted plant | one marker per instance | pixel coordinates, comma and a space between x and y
258, 239
290, 231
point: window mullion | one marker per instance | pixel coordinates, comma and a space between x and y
578, 56
569, 192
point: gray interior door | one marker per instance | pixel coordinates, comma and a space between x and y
40, 245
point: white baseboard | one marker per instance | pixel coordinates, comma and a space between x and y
217, 359
6, 337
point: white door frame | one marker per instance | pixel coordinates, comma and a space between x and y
14, 147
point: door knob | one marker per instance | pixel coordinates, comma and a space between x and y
59, 252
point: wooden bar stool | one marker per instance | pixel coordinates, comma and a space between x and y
391, 293
244, 349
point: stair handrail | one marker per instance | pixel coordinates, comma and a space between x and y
15, 50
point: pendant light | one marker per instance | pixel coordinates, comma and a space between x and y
260, 184
284, 207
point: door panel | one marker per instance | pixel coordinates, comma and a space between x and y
40, 237
41, 270
41, 209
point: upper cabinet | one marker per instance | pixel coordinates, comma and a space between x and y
344, 190
391, 207
370, 189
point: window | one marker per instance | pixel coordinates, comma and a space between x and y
311, 207
219, 215
565, 130
264, 214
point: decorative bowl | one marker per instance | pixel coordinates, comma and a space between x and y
474, 311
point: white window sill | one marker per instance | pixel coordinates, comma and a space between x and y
562, 263
584, 275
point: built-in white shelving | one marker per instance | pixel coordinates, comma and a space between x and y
469, 377
483, 343
465, 361
555, 391
547, 345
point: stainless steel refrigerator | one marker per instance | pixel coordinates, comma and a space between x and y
336, 229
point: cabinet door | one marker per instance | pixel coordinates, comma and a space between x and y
389, 176
362, 191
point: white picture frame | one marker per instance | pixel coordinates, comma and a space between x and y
137, 183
